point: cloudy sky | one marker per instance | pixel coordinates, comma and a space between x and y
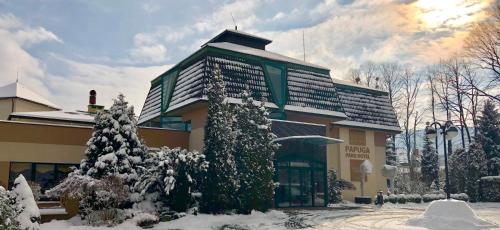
62, 49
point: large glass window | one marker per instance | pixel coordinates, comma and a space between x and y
45, 174
19, 168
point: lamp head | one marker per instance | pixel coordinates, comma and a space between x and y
451, 131
430, 131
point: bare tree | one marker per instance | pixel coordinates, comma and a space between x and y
411, 85
354, 75
390, 73
368, 72
483, 46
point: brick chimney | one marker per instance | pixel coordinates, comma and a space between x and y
92, 107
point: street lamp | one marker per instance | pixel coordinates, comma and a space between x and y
449, 132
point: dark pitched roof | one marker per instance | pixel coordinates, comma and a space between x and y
242, 38
366, 107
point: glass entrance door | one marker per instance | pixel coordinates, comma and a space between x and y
300, 185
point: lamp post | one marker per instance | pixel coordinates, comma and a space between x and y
449, 132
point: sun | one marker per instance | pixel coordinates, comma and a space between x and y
449, 13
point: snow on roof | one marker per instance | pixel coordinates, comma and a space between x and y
352, 84
325, 112
17, 90
261, 53
77, 116
368, 125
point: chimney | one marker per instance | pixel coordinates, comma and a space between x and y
92, 107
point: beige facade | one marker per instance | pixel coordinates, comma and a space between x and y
62, 144
10, 105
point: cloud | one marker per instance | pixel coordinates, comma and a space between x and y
69, 85
72, 88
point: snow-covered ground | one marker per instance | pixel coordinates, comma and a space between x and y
390, 216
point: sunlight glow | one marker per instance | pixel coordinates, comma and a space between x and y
449, 13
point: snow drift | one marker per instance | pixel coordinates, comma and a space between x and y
450, 214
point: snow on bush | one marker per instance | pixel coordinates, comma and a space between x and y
489, 188
7, 212
28, 214
171, 176
145, 219
72, 186
109, 193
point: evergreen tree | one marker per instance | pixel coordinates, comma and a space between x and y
488, 136
7, 212
28, 214
476, 168
458, 171
254, 152
114, 148
390, 154
220, 185
429, 167
336, 186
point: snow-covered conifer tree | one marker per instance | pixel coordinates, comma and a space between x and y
220, 186
114, 148
458, 171
254, 152
488, 135
8, 213
28, 214
390, 154
476, 167
429, 167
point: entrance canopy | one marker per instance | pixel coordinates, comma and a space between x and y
310, 139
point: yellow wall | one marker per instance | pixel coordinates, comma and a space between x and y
4, 173
9, 105
198, 118
21, 105
5, 108
375, 181
43, 143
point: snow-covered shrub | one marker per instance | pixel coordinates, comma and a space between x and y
28, 214
36, 189
401, 198
489, 188
105, 217
336, 186
7, 212
146, 219
414, 198
391, 198
432, 197
172, 175
108, 193
72, 186
460, 196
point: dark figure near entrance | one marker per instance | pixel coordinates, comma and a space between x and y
380, 198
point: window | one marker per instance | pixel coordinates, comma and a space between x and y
276, 78
357, 137
168, 85
45, 174
355, 173
175, 123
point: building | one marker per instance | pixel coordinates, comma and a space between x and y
321, 124
43, 142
